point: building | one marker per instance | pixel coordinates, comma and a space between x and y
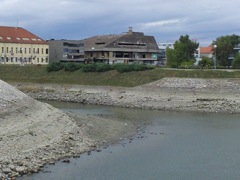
66, 51
163, 47
19, 46
207, 51
130, 47
231, 57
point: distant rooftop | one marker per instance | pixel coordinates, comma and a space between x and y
18, 35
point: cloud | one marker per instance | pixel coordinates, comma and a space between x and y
83, 18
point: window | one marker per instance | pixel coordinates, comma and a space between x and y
42, 50
25, 39
16, 59
7, 50
29, 50
9, 38
46, 51
2, 49
25, 50
16, 50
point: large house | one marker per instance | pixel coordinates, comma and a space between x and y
130, 47
66, 50
205, 51
19, 46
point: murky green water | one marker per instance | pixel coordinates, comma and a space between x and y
182, 146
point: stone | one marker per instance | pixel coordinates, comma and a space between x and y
6, 170
20, 169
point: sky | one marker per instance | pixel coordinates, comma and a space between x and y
166, 20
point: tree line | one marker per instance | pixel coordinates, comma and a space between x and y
182, 56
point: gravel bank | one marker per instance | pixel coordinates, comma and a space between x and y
33, 134
177, 94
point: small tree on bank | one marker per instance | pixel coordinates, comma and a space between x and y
182, 53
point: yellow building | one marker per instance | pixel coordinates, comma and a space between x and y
19, 46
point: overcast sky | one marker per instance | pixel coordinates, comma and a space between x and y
166, 20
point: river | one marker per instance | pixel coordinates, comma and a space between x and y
174, 145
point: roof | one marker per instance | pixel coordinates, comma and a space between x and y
18, 35
131, 41
206, 50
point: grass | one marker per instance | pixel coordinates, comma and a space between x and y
39, 74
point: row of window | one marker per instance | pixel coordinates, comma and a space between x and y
30, 60
25, 39
24, 50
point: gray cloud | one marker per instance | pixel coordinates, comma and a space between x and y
166, 20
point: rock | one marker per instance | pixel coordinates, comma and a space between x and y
66, 161
20, 169
6, 170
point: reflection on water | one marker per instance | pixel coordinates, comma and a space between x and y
174, 146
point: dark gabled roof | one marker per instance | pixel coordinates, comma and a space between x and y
18, 35
99, 41
131, 41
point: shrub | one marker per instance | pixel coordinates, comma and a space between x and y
89, 68
205, 62
187, 64
102, 67
72, 67
236, 61
123, 67
55, 66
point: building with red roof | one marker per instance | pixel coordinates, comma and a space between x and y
19, 46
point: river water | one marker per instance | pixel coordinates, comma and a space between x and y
174, 145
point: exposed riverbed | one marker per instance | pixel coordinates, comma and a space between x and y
173, 145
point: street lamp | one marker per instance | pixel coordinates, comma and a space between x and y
215, 59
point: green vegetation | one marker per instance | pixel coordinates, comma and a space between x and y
97, 67
206, 62
183, 53
225, 45
39, 74
236, 61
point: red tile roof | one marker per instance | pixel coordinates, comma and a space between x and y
206, 50
18, 35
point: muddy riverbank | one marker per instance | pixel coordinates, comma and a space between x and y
171, 94
33, 133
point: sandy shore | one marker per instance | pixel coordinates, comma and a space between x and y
33, 134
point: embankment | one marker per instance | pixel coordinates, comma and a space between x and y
33, 134
171, 94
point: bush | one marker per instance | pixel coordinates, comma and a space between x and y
102, 67
55, 66
236, 61
123, 67
72, 67
89, 68
206, 62
187, 64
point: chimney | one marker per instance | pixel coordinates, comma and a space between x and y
130, 31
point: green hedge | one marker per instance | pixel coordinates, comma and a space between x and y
97, 67
56, 66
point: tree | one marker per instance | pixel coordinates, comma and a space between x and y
171, 62
184, 49
236, 61
225, 45
205, 62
